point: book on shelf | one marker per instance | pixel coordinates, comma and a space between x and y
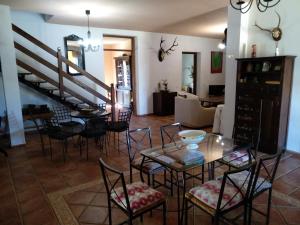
187, 156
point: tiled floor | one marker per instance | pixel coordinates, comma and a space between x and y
28, 177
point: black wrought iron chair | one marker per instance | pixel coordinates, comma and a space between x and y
119, 126
94, 128
56, 132
63, 116
263, 181
168, 133
139, 139
221, 196
133, 199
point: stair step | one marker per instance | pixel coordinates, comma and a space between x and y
75, 101
36, 81
66, 95
24, 73
50, 88
83, 106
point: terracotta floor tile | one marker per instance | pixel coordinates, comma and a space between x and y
94, 215
77, 209
39, 217
33, 204
100, 200
80, 197
291, 215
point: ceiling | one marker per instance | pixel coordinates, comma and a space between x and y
207, 18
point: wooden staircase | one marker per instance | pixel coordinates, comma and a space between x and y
54, 87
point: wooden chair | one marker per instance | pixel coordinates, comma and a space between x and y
221, 196
133, 199
139, 139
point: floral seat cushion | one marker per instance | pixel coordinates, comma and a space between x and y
209, 192
147, 166
237, 158
239, 179
140, 196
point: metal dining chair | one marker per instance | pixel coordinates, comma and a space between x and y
133, 199
220, 197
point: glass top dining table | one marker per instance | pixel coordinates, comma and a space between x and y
213, 147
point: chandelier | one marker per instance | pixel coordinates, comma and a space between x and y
244, 6
90, 45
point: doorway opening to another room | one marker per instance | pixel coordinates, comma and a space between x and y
119, 68
189, 72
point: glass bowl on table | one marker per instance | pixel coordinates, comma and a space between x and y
192, 137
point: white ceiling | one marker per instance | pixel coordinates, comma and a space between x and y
206, 18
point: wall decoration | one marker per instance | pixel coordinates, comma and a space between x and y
162, 52
216, 62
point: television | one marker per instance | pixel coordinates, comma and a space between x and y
216, 90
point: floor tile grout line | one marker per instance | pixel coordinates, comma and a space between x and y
14, 189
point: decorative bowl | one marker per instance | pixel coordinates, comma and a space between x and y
192, 137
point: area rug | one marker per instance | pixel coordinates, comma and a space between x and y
86, 204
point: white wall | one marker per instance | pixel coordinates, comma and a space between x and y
10, 79
149, 70
289, 45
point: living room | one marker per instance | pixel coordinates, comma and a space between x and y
149, 71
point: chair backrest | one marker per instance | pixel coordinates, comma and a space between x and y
102, 106
112, 180
62, 113
168, 133
265, 172
137, 140
124, 116
241, 188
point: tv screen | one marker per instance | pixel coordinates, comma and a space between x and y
216, 90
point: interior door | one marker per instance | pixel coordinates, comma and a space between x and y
189, 72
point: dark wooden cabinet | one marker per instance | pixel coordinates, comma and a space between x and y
263, 92
164, 103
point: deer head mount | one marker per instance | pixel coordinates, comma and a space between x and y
276, 32
162, 52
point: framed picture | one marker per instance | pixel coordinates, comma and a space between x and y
216, 62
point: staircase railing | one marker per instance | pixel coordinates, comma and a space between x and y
61, 73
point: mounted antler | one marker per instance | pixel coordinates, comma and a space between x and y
276, 32
162, 52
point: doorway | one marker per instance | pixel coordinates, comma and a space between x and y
189, 72
119, 68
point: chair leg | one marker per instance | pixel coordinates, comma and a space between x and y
269, 206
171, 180
80, 145
185, 212
87, 149
164, 213
118, 142
50, 145
109, 213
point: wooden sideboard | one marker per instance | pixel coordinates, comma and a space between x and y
164, 103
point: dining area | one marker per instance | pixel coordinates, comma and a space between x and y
190, 169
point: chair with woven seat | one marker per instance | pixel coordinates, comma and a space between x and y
63, 116
139, 139
219, 197
133, 199
94, 128
119, 126
56, 132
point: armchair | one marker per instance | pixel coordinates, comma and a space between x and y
190, 113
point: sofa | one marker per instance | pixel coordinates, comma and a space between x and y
190, 113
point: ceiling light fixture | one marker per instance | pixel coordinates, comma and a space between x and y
90, 45
244, 6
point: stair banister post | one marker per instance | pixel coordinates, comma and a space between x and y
113, 101
60, 74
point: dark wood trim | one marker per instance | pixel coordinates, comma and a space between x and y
33, 40
85, 87
86, 74
53, 82
35, 56
60, 74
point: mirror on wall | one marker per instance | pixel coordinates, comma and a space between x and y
189, 72
74, 53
